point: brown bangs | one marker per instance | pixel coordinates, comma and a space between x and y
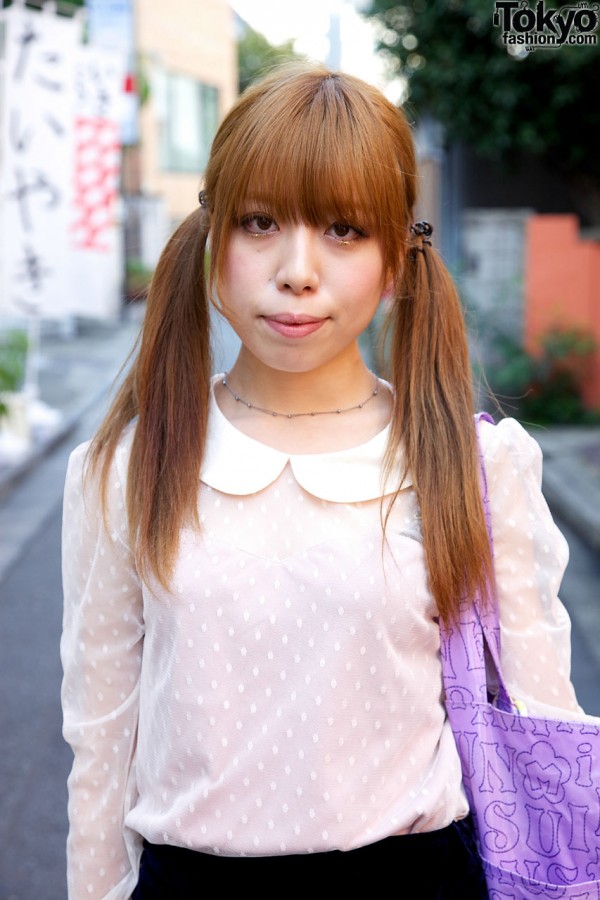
313, 149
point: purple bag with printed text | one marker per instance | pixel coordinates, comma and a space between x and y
533, 784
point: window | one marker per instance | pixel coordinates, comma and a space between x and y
191, 114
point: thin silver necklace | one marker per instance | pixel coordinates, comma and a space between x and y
272, 412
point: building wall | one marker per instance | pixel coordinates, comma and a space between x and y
491, 267
194, 38
562, 288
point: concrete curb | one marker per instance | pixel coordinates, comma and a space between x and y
10, 476
76, 374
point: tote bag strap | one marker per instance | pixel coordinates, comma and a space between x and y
471, 648
487, 611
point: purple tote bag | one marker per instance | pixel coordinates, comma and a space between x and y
533, 784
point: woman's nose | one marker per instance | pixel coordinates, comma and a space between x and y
298, 270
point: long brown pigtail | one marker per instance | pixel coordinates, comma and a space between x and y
433, 422
168, 390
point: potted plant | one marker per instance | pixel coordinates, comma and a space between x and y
137, 279
13, 358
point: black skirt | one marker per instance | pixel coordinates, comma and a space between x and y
435, 865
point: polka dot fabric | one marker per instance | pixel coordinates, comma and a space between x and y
285, 695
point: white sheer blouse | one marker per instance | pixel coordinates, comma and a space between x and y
285, 695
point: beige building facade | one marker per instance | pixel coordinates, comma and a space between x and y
188, 61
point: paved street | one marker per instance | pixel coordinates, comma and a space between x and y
581, 595
34, 760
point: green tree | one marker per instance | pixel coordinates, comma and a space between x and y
541, 104
256, 56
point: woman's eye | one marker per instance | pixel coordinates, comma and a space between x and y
342, 231
259, 224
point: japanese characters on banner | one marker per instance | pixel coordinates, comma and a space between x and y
60, 250
95, 227
37, 161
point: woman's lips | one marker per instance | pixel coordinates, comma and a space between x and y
294, 326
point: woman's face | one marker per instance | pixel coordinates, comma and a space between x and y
298, 296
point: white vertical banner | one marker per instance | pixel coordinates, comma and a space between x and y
111, 26
36, 160
96, 226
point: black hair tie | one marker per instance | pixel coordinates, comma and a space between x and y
422, 230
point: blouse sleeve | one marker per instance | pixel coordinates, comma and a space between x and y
101, 651
530, 558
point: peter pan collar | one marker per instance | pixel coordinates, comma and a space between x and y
237, 464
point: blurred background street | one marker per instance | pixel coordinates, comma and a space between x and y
107, 117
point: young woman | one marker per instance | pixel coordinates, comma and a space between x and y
256, 564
